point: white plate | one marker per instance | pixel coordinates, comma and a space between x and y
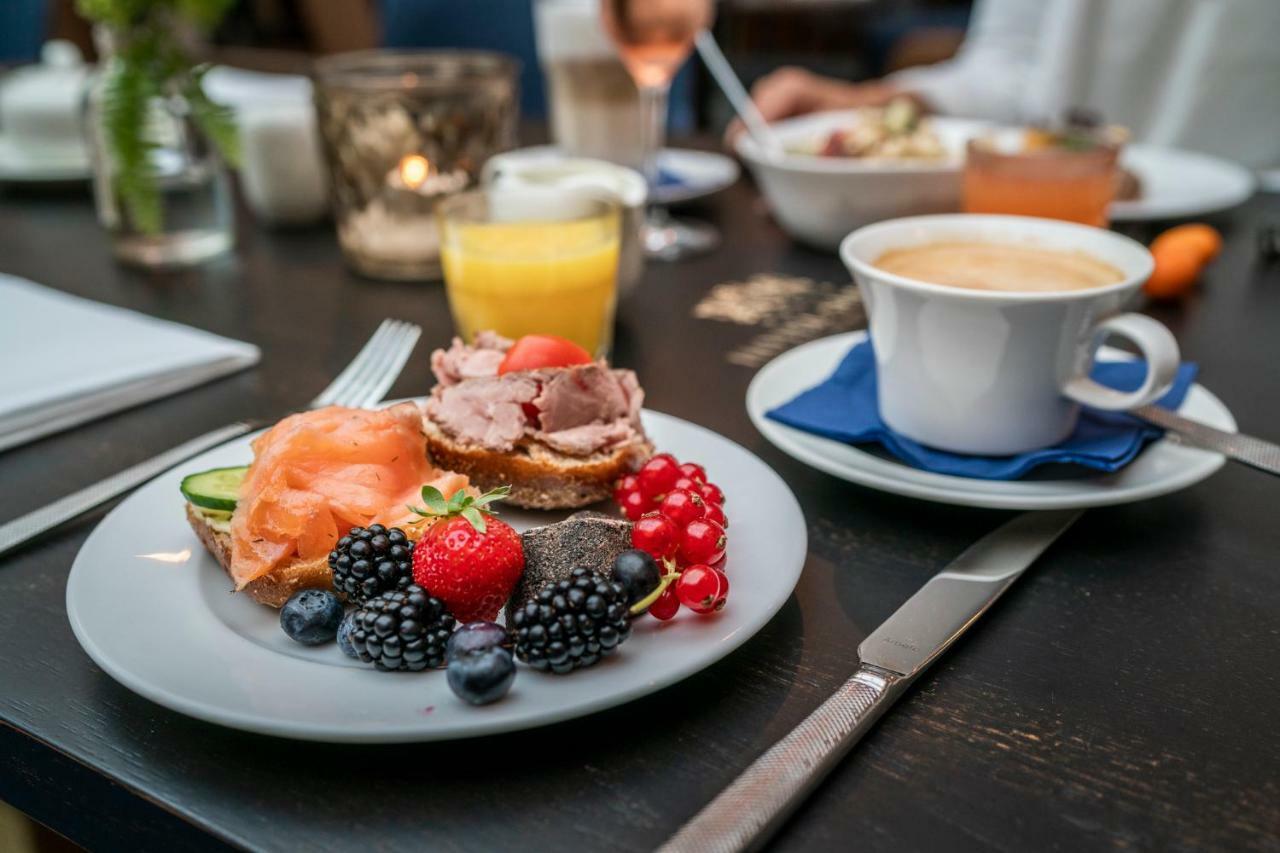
701, 173
1162, 467
18, 165
170, 629
1178, 183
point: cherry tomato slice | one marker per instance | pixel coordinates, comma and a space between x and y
534, 351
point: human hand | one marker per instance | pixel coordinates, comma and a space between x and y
792, 91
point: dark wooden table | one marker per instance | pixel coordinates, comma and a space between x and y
1121, 696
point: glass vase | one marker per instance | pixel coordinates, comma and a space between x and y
192, 220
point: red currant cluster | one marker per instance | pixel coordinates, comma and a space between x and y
680, 521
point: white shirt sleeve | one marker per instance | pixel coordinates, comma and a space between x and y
986, 78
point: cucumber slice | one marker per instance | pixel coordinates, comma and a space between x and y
214, 489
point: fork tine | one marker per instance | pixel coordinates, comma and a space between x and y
343, 380
373, 369
397, 357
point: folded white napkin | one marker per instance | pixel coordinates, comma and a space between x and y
66, 360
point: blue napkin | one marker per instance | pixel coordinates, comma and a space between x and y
667, 178
844, 408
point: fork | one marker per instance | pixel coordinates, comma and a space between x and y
362, 383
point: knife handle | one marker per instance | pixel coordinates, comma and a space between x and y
746, 813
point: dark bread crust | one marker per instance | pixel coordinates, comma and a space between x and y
540, 478
272, 589
589, 540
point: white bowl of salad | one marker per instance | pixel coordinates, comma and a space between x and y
848, 168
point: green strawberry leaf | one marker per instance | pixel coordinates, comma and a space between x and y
473, 509
434, 500
474, 516
489, 497
459, 500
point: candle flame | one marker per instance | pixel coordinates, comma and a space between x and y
414, 170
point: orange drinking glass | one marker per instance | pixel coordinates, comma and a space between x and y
1075, 183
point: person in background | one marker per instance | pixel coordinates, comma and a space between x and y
1197, 74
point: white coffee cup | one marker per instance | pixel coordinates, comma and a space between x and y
997, 372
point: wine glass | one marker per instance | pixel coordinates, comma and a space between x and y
654, 38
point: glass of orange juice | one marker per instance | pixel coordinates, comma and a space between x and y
1069, 176
532, 261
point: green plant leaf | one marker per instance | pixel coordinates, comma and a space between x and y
126, 97
216, 121
149, 62
204, 13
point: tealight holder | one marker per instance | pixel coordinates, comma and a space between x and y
401, 131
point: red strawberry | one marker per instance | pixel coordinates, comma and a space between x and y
467, 559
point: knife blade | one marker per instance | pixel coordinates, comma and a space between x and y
752, 808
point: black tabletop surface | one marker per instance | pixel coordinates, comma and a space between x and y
1120, 696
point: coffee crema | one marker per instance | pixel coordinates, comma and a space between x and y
1003, 267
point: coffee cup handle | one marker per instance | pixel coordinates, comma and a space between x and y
1158, 348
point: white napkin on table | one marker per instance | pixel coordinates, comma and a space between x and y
66, 360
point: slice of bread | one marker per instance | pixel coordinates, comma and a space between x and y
539, 477
271, 589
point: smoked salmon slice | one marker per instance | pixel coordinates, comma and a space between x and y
317, 474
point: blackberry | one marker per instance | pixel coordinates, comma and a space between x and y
402, 630
371, 560
572, 623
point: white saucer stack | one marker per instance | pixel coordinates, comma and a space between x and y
41, 127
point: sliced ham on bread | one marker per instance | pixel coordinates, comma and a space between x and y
560, 437
539, 476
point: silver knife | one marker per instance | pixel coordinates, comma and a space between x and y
751, 809
31, 525
1255, 452
363, 382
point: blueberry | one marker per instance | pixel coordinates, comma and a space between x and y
476, 637
483, 676
311, 616
344, 635
638, 574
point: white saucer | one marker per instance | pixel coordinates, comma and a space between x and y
20, 165
155, 611
1162, 467
1179, 183
701, 173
